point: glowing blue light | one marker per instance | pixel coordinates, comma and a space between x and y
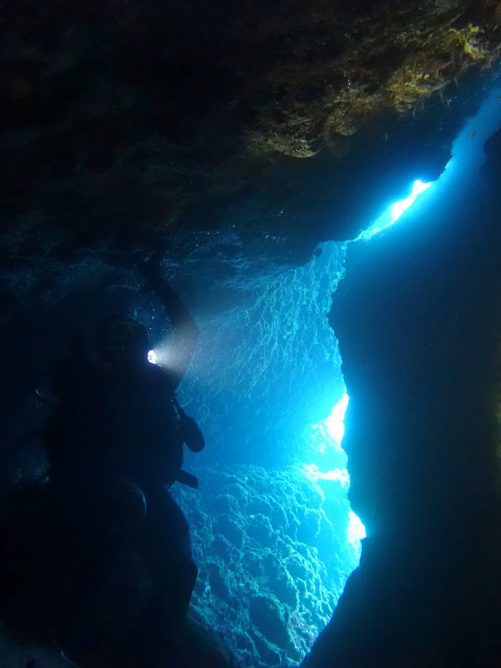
467, 157
152, 357
394, 212
399, 208
356, 530
335, 421
329, 433
336, 475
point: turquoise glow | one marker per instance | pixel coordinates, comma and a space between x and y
467, 158
328, 434
356, 530
335, 421
395, 211
267, 378
399, 208
327, 442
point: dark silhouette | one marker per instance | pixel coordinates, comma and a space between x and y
115, 445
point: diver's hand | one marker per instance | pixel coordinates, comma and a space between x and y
184, 334
150, 270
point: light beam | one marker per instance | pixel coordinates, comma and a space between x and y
394, 212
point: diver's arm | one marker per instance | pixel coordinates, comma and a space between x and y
185, 331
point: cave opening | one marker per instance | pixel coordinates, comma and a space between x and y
275, 536
268, 389
348, 390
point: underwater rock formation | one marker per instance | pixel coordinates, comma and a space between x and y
242, 135
16, 651
121, 121
423, 436
272, 555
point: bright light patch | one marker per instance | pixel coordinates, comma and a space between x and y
335, 421
394, 212
355, 530
337, 475
399, 208
329, 433
161, 356
167, 354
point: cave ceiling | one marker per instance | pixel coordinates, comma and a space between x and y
128, 125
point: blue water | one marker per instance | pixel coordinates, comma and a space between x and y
274, 535
273, 532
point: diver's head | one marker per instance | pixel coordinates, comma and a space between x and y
122, 340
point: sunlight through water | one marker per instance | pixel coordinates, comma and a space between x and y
267, 387
395, 211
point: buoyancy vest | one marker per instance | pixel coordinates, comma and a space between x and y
112, 423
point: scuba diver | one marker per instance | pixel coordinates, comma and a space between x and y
114, 446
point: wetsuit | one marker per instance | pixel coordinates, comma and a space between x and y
115, 444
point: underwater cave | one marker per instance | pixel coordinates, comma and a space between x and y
277, 512
340, 252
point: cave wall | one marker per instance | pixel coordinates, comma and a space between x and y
184, 126
123, 121
418, 321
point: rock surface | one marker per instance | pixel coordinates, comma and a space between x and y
423, 438
20, 652
124, 121
256, 130
273, 558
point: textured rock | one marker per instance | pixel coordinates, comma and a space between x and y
418, 321
124, 121
264, 583
19, 652
243, 134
